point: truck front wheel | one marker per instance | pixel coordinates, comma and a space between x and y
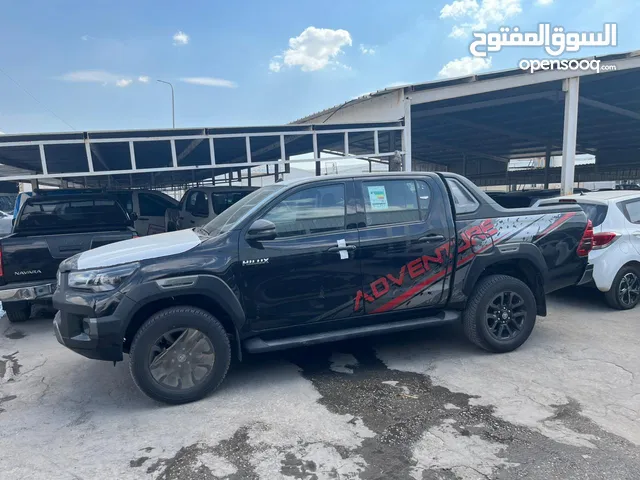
17, 311
179, 355
500, 314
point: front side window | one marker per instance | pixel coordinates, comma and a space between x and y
197, 204
125, 200
151, 205
387, 202
313, 210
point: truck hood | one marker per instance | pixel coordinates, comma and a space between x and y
136, 249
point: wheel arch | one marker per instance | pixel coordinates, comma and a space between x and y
525, 265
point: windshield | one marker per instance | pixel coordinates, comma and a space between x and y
228, 219
595, 212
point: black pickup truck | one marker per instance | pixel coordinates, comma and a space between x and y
318, 260
48, 229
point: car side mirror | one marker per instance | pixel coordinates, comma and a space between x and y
134, 216
261, 230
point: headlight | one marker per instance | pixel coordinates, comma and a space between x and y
103, 279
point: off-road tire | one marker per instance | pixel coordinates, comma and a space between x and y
612, 296
474, 321
162, 322
17, 312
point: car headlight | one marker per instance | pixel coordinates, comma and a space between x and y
102, 279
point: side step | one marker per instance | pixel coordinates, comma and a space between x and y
258, 345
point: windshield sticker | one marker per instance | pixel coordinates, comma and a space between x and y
378, 198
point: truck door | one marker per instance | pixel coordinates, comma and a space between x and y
405, 241
196, 210
310, 272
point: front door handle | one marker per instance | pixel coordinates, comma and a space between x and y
346, 248
432, 237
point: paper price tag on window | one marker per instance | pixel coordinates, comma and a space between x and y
378, 198
343, 253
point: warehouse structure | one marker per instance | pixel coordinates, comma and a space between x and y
472, 125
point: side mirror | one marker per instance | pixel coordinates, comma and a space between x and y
134, 216
261, 230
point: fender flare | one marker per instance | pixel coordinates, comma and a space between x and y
511, 252
207, 285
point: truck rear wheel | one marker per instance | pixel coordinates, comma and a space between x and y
17, 311
180, 355
500, 314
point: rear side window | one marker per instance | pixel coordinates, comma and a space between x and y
152, 205
197, 204
596, 213
631, 210
223, 200
387, 202
462, 198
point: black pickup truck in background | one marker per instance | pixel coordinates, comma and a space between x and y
47, 230
319, 260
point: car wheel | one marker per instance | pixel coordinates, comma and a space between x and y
625, 289
179, 355
18, 312
500, 314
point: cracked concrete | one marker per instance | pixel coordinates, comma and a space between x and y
423, 405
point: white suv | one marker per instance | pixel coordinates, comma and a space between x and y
616, 243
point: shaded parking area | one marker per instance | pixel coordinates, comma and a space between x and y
423, 405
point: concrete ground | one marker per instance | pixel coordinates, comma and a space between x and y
421, 405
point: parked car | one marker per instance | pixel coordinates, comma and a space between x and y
615, 216
47, 230
318, 260
200, 205
148, 209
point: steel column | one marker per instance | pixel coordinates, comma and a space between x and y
571, 100
406, 136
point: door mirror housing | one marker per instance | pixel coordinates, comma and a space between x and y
133, 216
261, 230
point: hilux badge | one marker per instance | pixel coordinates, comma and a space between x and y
258, 261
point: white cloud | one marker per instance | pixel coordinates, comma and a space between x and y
459, 8
180, 38
313, 49
84, 38
459, 32
367, 50
97, 76
210, 82
543, 3
481, 15
143, 79
2, 133
464, 66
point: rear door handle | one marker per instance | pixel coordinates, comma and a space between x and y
346, 248
432, 237
143, 218
193, 221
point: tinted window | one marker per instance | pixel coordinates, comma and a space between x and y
223, 200
312, 210
595, 213
390, 201
82, 214
197, 204
462, 198
424, 198
152, 205
228, 219
632, 211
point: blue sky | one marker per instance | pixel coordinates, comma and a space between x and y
95, 64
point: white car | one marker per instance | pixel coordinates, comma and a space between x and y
615, 216
149, 207
200, 205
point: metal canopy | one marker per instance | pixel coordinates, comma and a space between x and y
475, 125
159, 158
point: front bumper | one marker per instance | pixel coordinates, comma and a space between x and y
28, 292
80, 328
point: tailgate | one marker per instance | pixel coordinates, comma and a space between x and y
32, 258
